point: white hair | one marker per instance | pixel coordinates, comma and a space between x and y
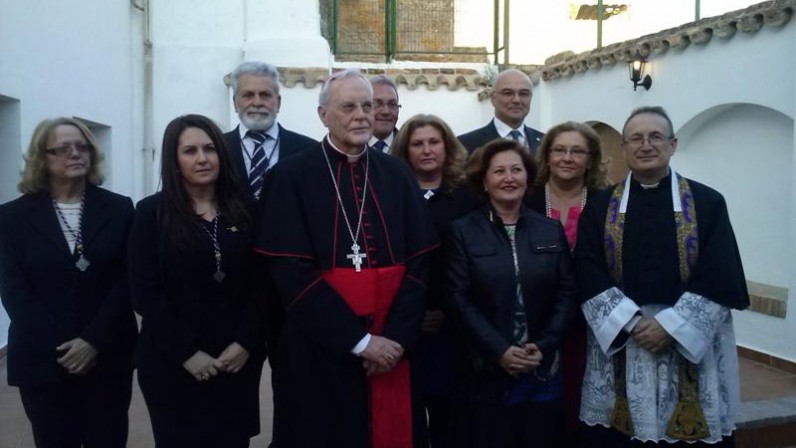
254, 68
323, 98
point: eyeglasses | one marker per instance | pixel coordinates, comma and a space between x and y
656, 139
392, 105
576, 153
82, 148
349, 108
509, 94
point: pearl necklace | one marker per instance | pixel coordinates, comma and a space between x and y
547, 204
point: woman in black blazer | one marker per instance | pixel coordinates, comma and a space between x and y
200, 351
512, 293
63, 283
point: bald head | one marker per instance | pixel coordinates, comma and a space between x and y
512, 74
511, 97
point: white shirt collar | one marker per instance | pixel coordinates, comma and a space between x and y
387, 140
351, 158
272, 132
503, 129
678, 206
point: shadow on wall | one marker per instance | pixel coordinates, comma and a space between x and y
10, 149
102, 133
612, 150
723, 112
746, 152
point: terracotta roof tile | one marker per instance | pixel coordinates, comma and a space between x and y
775, 13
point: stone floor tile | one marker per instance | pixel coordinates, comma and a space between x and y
15, 429
763, 389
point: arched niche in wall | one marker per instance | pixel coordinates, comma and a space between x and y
612, 150
745, 151
102, 133
11, 150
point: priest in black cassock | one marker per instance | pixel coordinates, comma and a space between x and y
659, 272
346, 237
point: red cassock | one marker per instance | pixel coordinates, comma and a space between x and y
328, 306
370, 293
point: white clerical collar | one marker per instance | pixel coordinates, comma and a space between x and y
388, 140
351, 158
678, 207
272, 132
503, 129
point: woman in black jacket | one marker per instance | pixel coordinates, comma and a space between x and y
63, 282
200, 352
512, 292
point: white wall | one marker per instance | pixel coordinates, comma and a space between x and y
194, 44
299, 109
533, 23
82, 66
10, 165
756, 69
192, 55
746, 152
69, 59
447, 105
10, 144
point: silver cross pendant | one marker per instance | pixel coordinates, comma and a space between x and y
356, 257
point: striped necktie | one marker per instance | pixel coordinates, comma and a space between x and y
259, 163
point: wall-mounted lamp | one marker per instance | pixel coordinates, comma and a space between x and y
636, 66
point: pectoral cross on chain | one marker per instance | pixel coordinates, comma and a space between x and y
356, 257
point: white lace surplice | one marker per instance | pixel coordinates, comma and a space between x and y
703, 334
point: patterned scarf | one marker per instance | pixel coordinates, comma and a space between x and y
688, 420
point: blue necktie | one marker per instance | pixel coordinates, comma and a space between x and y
515, 135
380, 145
258, 163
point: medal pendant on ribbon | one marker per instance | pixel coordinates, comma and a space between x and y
82, 263
219, 276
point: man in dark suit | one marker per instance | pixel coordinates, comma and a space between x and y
511, 98
259, 142
255, 146
386, 108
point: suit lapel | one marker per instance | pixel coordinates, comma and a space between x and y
532, 138
235, 151
286, 143
43, 218
94, 215
490, 132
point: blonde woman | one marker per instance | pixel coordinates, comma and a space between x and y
571, 169
63, 282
